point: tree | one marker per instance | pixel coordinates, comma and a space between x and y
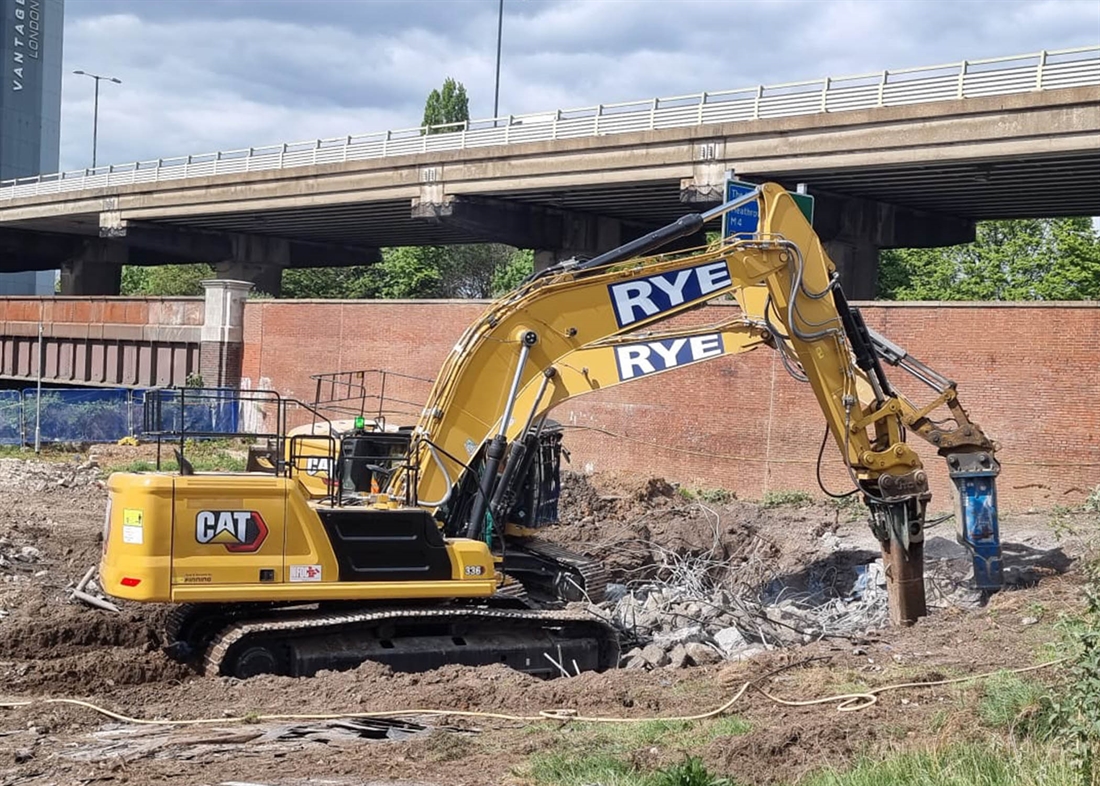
165, 280
510, 275
445, 106
411, 272
479, 270
1029, 259
359, 281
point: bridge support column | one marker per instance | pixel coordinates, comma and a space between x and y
257, 260
221, 350
583, 237
95, 270
857, 262
853, 230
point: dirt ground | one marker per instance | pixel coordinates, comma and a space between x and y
51, 647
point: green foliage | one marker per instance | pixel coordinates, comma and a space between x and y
1009, 702
991, 763
1030, 259
165, 280
411, 272
561, 769
690, 772
590, 753
358, 281
478, 270
606, 769
449, 105
510, 274
1072, 710
783, 498
851, 508
1092, 501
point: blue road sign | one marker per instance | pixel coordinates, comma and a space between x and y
745, 219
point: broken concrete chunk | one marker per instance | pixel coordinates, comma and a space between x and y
730, 640
654, 655
678, 657
701, 654
680, 636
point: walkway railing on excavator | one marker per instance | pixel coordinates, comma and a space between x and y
184, 417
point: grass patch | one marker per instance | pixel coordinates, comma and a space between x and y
1070, 713
220, 455
1009, 701
991, 763
690, 772
601, 753
561, 769
604, 769
49, 453
785, 498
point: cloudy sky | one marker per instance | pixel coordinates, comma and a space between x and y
205, 75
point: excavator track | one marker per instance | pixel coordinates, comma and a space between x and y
561, 573
301, 643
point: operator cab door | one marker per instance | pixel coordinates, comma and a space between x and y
229, 529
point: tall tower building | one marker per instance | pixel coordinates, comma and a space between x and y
31, 33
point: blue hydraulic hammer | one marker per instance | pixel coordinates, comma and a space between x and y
975, 478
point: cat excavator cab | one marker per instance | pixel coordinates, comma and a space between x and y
275, 572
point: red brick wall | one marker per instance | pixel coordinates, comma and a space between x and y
1027, 373
167, 311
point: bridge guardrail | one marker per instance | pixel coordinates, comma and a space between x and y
1046, 70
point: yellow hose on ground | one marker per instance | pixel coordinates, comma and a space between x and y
846, 702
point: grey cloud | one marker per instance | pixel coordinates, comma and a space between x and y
208, 74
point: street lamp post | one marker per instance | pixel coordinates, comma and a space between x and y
496, 91
95, 110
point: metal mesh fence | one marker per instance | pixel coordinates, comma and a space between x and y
202, 412
11, 417
110, 414
78, 414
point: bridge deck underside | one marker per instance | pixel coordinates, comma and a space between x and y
1035, 188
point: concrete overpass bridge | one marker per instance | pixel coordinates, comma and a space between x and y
895, 158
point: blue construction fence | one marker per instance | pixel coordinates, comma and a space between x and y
110, 414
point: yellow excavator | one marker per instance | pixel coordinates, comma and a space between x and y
420, 546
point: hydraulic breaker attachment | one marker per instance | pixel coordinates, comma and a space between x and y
975, 478
897, 520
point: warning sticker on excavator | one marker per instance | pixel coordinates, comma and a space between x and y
132, 530
305, 572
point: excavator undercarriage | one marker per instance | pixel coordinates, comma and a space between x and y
244, 640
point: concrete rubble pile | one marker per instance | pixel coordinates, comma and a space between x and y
36, 476
19, 562
676, 627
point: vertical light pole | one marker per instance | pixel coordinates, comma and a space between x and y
38, 396
500, 30
95, 111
